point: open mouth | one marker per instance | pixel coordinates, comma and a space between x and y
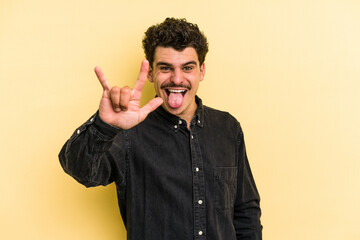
175, 97
175, 91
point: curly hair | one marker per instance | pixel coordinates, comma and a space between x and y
176, 33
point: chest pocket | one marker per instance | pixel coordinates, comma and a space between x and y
225, 187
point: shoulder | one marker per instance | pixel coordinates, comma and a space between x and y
223, 119
219, 113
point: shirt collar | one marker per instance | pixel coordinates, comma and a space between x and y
174, 121
199, 114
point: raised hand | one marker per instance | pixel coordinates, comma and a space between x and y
120, 107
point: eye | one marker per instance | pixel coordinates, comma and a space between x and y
187, 68
164, 68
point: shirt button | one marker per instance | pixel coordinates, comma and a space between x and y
175, 126
78, 131
180, 122
197, 169
200, 202
199, 121
200, 233
192, 136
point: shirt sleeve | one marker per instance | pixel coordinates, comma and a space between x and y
247, 203
96, 153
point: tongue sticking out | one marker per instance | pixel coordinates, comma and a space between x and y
175, 100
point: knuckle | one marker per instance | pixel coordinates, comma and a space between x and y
115, 90
125, 90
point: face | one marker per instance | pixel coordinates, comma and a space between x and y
176, 76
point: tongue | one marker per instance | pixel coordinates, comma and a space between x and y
175, 100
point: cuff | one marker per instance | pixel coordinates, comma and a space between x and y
105, 128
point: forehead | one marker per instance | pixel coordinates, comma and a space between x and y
174, 57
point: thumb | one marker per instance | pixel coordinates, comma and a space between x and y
149, 107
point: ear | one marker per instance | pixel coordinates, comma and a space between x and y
202, 71
149, 75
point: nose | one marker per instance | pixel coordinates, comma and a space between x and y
176, 76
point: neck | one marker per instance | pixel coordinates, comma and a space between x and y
189, 115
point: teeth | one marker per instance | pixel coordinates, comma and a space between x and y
176, 91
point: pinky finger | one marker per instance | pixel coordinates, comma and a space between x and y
102, 79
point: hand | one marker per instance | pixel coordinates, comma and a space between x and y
120, 107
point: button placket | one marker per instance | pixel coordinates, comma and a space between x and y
198, 186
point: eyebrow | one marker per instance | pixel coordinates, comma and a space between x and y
169, 65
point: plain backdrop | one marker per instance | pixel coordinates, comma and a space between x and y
287, 70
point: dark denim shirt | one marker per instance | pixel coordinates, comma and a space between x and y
172, 183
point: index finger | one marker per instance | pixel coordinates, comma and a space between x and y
140, 82
102, 79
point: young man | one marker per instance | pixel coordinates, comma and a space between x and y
180, 168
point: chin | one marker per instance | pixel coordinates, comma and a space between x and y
174, 111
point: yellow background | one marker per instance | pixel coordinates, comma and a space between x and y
288, 70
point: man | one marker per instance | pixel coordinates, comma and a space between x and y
180, 168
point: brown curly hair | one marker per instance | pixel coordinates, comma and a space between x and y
176, 33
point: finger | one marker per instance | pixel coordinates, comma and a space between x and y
115, 98
149, 107
140, 82
102, 79
125, 94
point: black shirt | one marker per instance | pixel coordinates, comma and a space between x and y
172, 183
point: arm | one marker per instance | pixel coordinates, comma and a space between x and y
247, 204
90, 156
96, 152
